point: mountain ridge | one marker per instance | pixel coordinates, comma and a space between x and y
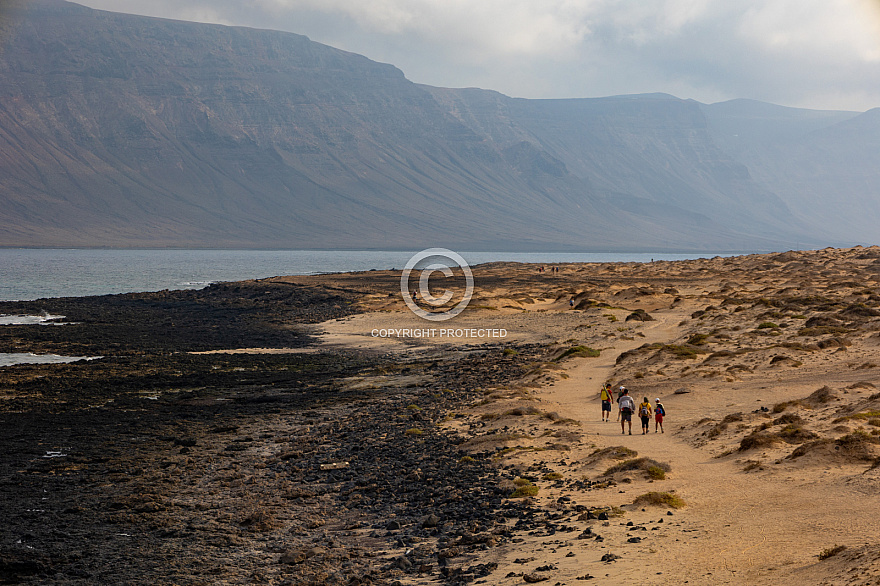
133, 131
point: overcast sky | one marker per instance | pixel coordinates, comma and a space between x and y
807, 53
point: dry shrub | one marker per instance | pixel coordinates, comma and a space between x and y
796, 434
857, 444
524, 488
854, 446
831, 552
520, 411
581, 351
660, 499
788, 418
656, 473
870, 414
615, 452
780, 407
645, 464
758, 440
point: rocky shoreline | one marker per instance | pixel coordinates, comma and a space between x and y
150, 466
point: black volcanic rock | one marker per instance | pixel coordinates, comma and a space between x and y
123, 130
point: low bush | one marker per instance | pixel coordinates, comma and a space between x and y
683, 350
524, 488
831, 552
660, 499
580, 351
616, 452
645, 464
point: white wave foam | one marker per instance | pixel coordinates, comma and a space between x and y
11, 358
17, 320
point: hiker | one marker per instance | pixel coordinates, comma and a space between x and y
659, 412
627, 406
645, 412
571, 303
619, 394
607, 395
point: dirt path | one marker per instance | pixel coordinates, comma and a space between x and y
719, 538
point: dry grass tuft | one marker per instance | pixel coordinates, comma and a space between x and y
653, 468
660, 499
831, 552
616, 452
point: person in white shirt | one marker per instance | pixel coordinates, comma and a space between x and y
627, 406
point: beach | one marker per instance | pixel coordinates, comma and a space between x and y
307, 430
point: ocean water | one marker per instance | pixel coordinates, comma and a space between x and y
27, 274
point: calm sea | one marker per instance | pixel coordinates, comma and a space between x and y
27, 274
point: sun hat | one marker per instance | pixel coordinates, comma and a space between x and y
657, 399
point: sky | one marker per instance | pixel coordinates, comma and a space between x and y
821, 54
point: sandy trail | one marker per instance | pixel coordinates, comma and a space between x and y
720, 526
775, 329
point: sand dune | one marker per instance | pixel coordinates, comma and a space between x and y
768, 367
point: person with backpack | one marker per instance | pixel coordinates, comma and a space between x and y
659, 412
606, 395
627, 406
645, 412
619, 394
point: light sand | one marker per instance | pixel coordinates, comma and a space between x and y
775, 328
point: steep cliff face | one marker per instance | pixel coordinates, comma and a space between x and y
822, 164
117, 130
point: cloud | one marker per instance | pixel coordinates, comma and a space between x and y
819, 53
489, 27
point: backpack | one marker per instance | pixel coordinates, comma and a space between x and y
660, 410
643, 410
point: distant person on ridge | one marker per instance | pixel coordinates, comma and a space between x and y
645, 412
607, 395
627, 406
659, 412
